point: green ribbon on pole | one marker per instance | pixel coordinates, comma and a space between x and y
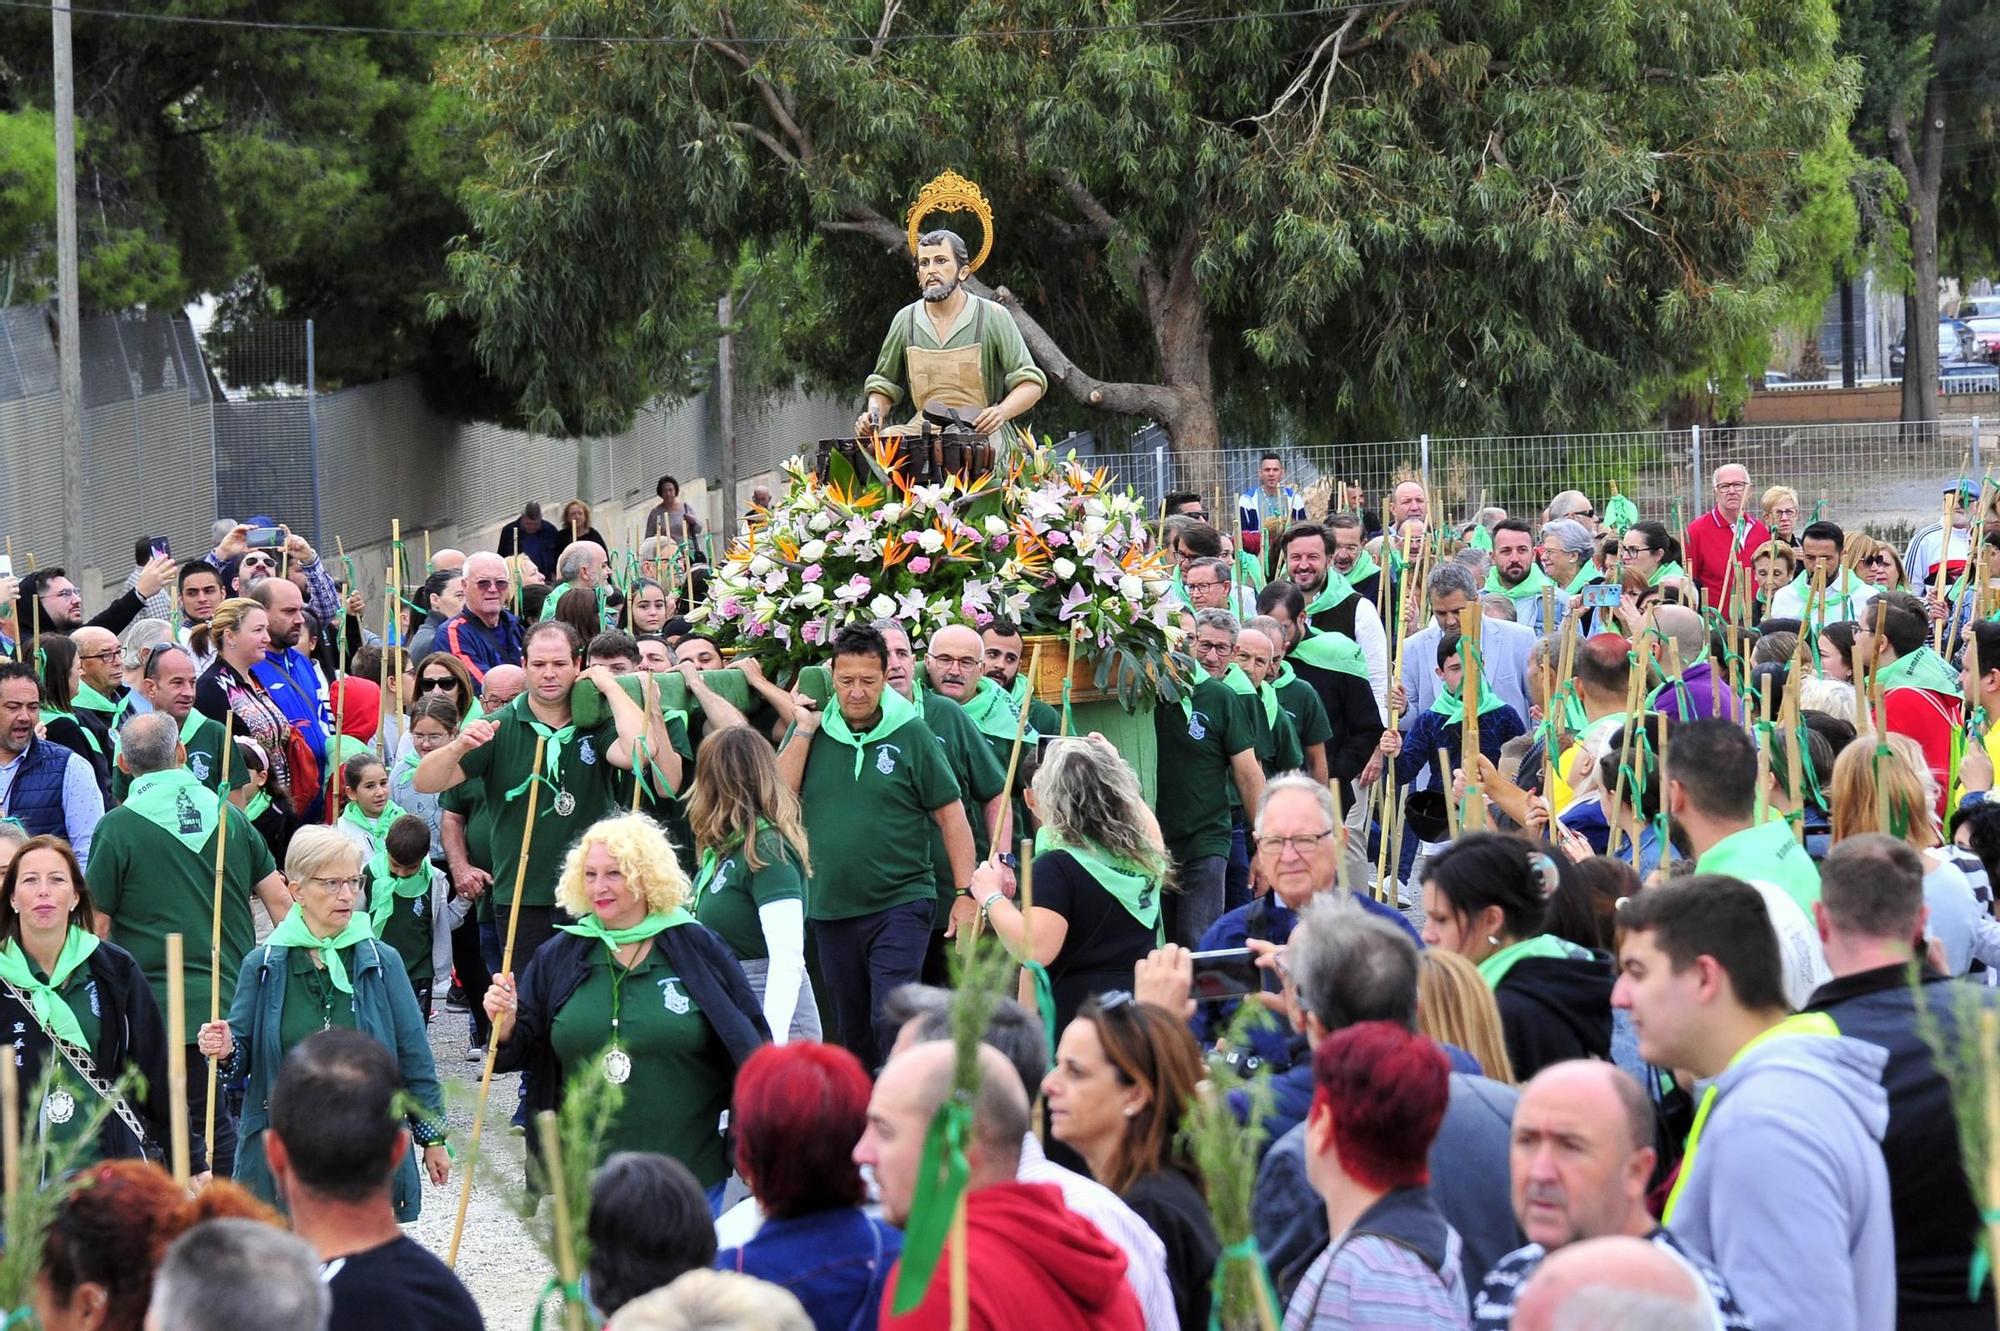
1244, 1250
572, 1294
941, 1178
1045, 1003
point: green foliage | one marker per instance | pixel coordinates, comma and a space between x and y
46, 1170
1227, 1154
27, 205
1515, 216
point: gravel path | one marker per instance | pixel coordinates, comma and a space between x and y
497, 1259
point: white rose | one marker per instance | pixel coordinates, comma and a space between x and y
813, 551
996, 526
759, 566
1131, 586
821, 520
884, 607
892, 512
811, 596
930, 540
1064, 568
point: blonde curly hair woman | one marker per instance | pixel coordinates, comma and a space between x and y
635, 992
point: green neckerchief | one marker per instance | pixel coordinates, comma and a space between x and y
1620, 514
1133, 888
179, 805
1364, 568
374, 828
549, 604
1332, 651
292, 931
254, 808
897, 712
990, 714
1018, 691
1480, 538
713, 856
1841, 589
1494, 969
1803, 1023
551, 773
1667, 570
1331, 596
1249, 570
50, 1010
1585, 576
51, 714
87, 696
1239, 682
1527, 589
1450, 704
1285, 674
386, 885
652, 926
191, 727
1921, 669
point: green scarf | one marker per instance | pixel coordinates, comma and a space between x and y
1451, 706
86, 696
1665, 571
1585, 576
1239, 682
258, 802
386, 885
178, 805
897, 712
652, 926
1330, 596
292, 931
1494, 969
373, 828
1921, 669
1132, 887
50, 1010
191, 727
1332, 651
551, 773
991, 716
1249, 570
1364, 568
1018, 691
1841, 591
1527, 589
90, 736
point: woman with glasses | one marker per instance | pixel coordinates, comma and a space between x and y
1118, 1095
1781, 513
81, 732
240, 634
441, 596
1649, 550
1878, 563
1099, 870
322, 967
442, 675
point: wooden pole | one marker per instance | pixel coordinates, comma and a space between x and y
427, 554
177, 1073
1391, 856
961, 1276
10, 1130
966, 937
1340, 835
1565, 664
1944, 558
1633, 691
394, 667
1473, 817
1069, 672
1444, 781
215, 924
492, 1044
552, 1165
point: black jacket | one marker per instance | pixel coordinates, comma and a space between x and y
1357, 726
132, 1037
699, 957
1935, 1215
1555, 1008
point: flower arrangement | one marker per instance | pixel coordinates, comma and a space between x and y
1049, 544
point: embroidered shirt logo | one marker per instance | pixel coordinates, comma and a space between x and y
677, 1002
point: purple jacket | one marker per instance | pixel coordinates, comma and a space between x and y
1702, 695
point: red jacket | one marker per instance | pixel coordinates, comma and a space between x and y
1709, 538
1034, 1264
1930, 719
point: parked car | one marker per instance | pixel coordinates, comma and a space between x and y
1957, 345
1984, 321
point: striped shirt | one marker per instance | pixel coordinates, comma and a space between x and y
1370, 1283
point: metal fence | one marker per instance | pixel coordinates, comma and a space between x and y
1886, 479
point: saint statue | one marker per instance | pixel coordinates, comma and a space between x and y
951, 348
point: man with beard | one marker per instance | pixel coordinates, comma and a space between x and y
48, 602
1333, 606
954, 348
1004, 655
1515, 576
288, 674
43, 786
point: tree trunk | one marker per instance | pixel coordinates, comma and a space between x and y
1181, 333
1919, 156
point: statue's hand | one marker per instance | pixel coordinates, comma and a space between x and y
988, 421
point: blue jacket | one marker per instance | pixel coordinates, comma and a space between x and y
465, 636
36, 794
293, 683
836, 1263
384, 1007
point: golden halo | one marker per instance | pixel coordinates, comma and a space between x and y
952, 193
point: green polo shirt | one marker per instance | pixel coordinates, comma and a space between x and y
1767, 853
312, 1003
980, 775
151, 886
670, 812
203, 742
681, 1072
465, 800
870, 830
727, 900
1301, 702
1197, 738
409, 926
503, 763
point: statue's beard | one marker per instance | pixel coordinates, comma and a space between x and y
939, 289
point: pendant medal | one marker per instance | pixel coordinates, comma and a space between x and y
60, 1106
565, 804
617, 1066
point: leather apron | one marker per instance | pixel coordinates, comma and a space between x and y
945, 378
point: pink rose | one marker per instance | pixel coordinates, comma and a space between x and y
810, 573
921, 564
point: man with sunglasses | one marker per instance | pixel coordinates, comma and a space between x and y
1575, 506
486, 633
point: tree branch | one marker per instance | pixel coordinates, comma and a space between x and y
765, 137
768, 94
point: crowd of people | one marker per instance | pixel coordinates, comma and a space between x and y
1582, 908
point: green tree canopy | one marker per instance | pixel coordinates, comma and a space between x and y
1428, 214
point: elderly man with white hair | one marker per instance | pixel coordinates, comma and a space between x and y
486, 633
582, 564
1571, 506
1722, 542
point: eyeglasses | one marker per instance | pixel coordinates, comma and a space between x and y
489, 584
961, 662
1634, 551
339, 887
1194, 586
1877, 561
115, 654
1198, 514
436, 684
1302, 845
1732, 485
65, 594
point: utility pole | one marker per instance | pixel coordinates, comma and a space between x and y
725, 392
69, 337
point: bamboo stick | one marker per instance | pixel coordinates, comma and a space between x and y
393, 668
1340, 835
967, 936
1444, 782
177, 1076
215, 925
1069, 672
1944, 558
961, 1276
552, 1166
1641, 671
10, 1130
493, 1043
1473, 816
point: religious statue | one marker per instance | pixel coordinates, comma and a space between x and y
955, 350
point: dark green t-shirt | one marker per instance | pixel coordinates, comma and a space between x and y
502, 764
1300, 701
870, 831
408, 928
670, 812
1197, 738
204, 759
151, 886
464, 799
312, 1004
681, 1072
980, 776
727, 902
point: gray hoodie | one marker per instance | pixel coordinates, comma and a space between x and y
1789, 1195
